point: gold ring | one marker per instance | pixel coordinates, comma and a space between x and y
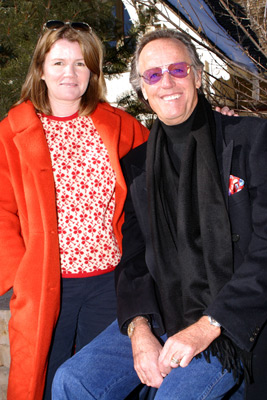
175, 360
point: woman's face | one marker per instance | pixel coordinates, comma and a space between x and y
65, 74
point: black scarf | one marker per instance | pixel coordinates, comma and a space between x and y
190, 228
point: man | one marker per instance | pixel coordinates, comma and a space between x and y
192, 282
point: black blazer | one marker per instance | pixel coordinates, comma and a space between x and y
241, 306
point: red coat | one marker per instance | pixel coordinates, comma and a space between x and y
29, 248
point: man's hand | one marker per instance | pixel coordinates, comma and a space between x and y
146, 350
226, 111
184, 345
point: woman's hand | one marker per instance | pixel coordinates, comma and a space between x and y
226, 111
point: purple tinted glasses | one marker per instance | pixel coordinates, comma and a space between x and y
177, 70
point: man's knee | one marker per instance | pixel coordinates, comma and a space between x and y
62, 383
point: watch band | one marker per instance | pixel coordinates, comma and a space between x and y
213, 322
132, 325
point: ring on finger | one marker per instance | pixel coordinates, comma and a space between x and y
175, 360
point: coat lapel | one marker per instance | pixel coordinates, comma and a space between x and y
108, 125
29, 137
33, 148
35, 160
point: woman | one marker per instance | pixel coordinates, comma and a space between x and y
61, 199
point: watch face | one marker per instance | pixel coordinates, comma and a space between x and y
130, 329
131, 325
214, 322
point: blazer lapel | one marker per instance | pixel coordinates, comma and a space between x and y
224, 153
226, 168
139, 181
139, 195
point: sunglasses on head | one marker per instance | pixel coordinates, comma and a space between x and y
78, 26
177, 70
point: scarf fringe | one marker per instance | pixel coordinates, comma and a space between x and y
233, 359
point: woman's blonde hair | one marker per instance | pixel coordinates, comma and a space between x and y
34, 87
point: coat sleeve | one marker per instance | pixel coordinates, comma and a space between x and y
135, 286
133, 134
11, 242
241, 305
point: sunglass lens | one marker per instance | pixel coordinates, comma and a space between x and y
80, 26
152, 76
179, 70
53, 24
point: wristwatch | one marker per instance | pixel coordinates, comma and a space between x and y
213, 322
132, 325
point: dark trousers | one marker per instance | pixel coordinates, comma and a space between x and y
88, 306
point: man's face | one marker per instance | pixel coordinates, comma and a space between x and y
172, 99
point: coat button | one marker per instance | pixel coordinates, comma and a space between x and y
235, 237
252, 339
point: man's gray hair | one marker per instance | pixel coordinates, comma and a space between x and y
135, 77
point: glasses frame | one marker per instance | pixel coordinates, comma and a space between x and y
165, 68
53, 25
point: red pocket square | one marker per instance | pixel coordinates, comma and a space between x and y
235, 184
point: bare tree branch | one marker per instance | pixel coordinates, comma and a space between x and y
246, 91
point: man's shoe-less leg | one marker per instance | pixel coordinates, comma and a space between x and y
104, 370
200, 380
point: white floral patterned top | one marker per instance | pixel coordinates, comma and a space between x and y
85, 192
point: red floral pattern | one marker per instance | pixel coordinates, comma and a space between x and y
85, 189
